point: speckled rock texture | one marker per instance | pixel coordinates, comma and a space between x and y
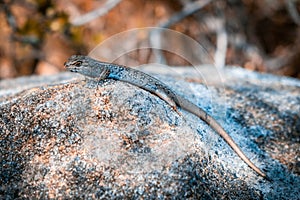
64, 137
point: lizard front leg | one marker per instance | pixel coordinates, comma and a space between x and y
103, 74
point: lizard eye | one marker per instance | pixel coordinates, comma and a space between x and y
78, 63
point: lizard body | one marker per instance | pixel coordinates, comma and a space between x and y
102, 70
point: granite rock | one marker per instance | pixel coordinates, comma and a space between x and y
66, 137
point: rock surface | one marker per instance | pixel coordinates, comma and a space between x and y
64, 137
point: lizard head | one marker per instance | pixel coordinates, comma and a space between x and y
76, 63
79, 64
87, 66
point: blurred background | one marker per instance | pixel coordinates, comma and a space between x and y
37, 36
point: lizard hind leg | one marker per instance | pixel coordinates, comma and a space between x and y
169, 101
176, 110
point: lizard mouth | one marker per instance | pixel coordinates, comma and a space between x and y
71, 69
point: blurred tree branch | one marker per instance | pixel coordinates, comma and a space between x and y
83, 19
155, 36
